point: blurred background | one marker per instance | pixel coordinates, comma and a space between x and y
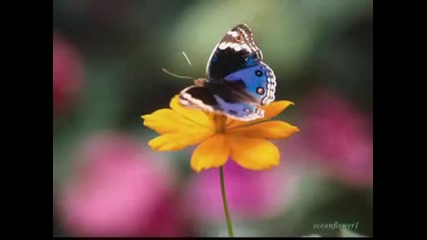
107, 61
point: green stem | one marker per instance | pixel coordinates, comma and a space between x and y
224, 200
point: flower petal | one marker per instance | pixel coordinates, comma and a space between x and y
196, 115
165, 121
177, 141
213, 152
267, 130
252, 153
271, 110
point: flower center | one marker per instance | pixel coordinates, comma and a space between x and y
219, 120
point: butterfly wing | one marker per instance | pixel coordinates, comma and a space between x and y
238, 80
235, 51
237, 59
259, 83
205, 98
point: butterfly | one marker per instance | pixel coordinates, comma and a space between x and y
238, 81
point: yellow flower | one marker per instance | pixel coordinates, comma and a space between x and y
220, 137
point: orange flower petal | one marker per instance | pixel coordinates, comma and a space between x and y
267, 130
165, 121
195, 115
271, 110
177, 141
211, 153
253, 153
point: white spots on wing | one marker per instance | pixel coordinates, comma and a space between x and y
259, 113
224, 45
245, 42
233, 33
271, 86
235, 46
187, 100
184, 102
246, 47
248, 36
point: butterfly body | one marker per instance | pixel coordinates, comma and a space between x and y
237, 83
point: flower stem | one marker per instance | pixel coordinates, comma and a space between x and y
224, 200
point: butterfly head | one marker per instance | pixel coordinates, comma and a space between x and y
200, 82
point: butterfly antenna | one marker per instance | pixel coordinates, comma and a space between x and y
186, 58
176, 75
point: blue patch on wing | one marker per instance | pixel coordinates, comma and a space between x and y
238, 110
259, 82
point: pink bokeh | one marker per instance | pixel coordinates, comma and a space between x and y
250, 194
118, 189
67, 74
341, 135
